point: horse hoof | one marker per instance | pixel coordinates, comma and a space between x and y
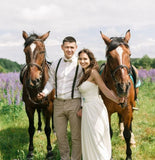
128, 158
49, 155
30, 155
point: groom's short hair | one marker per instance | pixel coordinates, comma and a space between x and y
69, 39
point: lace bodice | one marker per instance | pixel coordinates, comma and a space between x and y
89, 90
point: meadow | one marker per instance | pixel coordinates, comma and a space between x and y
14, 137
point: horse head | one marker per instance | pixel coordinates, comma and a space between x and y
35, 53
118, 62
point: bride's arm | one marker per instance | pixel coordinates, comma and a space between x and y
106, 91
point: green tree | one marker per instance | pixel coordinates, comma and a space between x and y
135, 62
153, 63
2, 69
9, 65
145, 61
100, 62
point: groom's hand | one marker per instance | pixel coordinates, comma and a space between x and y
40, 95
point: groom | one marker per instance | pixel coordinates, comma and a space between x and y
64, 78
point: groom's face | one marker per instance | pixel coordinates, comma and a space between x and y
69, 49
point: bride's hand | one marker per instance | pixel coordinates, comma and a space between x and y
118, 99
121, 100
79, 113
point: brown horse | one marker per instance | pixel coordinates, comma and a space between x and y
34, 78
117, 77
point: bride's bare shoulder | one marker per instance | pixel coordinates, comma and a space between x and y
94, 72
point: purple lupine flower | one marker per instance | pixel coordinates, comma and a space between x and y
17, 98
9, 87
9, 98
147, 74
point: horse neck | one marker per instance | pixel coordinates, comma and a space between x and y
107, 78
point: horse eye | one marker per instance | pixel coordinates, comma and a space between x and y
110, 57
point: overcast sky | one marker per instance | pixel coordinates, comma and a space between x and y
82, 19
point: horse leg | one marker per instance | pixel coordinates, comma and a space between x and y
121, 126
132, 140
31, 130
111, 133
53, 122
39, 119
47, 130
127, 136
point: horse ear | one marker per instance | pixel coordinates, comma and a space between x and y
25, 35
45, 36
127, 36
106, 39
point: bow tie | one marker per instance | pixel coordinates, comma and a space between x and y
67, 60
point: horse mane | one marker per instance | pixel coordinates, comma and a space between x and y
30, 39
116, 41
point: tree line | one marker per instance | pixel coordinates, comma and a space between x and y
145, 62
9, 66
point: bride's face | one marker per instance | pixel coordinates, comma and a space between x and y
84, 60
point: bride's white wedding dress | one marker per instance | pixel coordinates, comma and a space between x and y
96, 142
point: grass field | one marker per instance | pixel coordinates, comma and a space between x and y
14, 132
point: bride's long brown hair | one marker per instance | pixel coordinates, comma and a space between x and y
93, 65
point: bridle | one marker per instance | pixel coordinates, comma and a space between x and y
35, 64
116, 69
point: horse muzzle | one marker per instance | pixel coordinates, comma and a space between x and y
34, 83
123, 89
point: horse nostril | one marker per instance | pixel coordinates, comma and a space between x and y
38, 80
120, 86
34, 82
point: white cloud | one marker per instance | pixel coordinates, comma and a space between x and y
42, 13
82, 19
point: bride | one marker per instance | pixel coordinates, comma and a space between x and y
95, 132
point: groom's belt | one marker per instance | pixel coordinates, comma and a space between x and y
60, 99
